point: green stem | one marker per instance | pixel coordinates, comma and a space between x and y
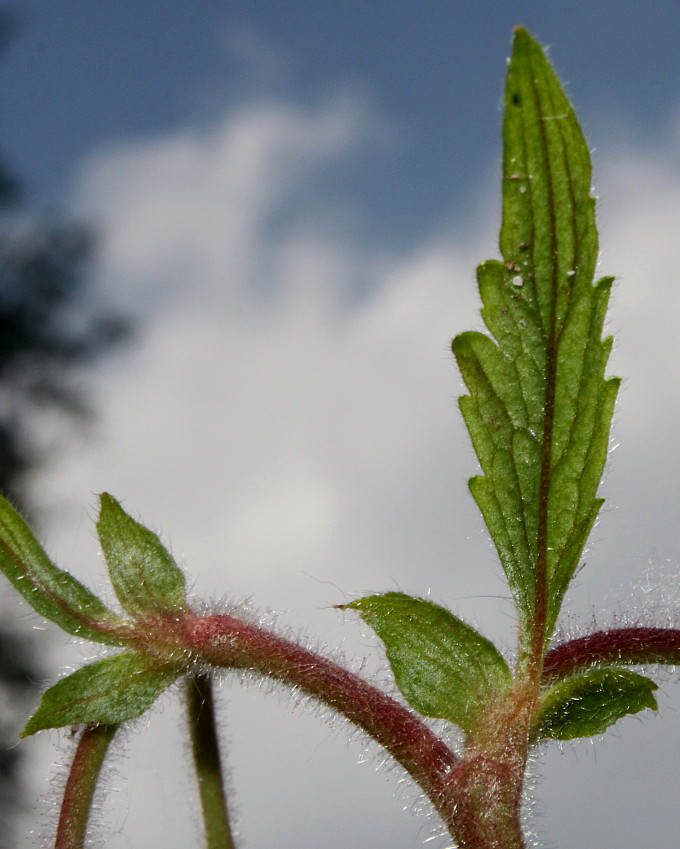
80, 786
205, 745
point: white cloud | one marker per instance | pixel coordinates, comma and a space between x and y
256, 373
298, 445
188, 212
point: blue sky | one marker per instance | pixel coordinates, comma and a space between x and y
292, 199
83, 74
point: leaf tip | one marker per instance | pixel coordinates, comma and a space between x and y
107, 502
33, 726
521, 34
354, 605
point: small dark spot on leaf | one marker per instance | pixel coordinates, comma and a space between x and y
516, 98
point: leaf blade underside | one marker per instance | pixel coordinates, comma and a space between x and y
51, 591
115, 689
442, 666
539, 409
144, 574
588, 704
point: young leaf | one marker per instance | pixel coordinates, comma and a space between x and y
51, 591
588, 704
111, 690
443, 667
539, 408
144, 575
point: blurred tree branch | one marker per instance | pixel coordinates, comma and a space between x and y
49, 330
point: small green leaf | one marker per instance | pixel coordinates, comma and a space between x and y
588, 704
51, 591
144, 575
539, 406
443, 667
111, 690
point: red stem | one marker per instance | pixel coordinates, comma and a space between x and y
80, 786
619, 645
225, 641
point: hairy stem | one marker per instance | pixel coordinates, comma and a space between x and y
205, 746
80, 786
227, 642
618, 645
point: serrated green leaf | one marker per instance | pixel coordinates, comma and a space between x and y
51, 591
144, 574
442, 666
115, 689
588, 704
540, 408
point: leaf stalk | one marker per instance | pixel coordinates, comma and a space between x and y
81, 784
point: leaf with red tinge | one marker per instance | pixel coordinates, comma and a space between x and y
51, 591
539, 406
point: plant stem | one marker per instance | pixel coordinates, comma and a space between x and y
80, 786
636, 644
205, 746
228, 642
488, 782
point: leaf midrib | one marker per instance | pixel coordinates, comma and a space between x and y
538, 636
